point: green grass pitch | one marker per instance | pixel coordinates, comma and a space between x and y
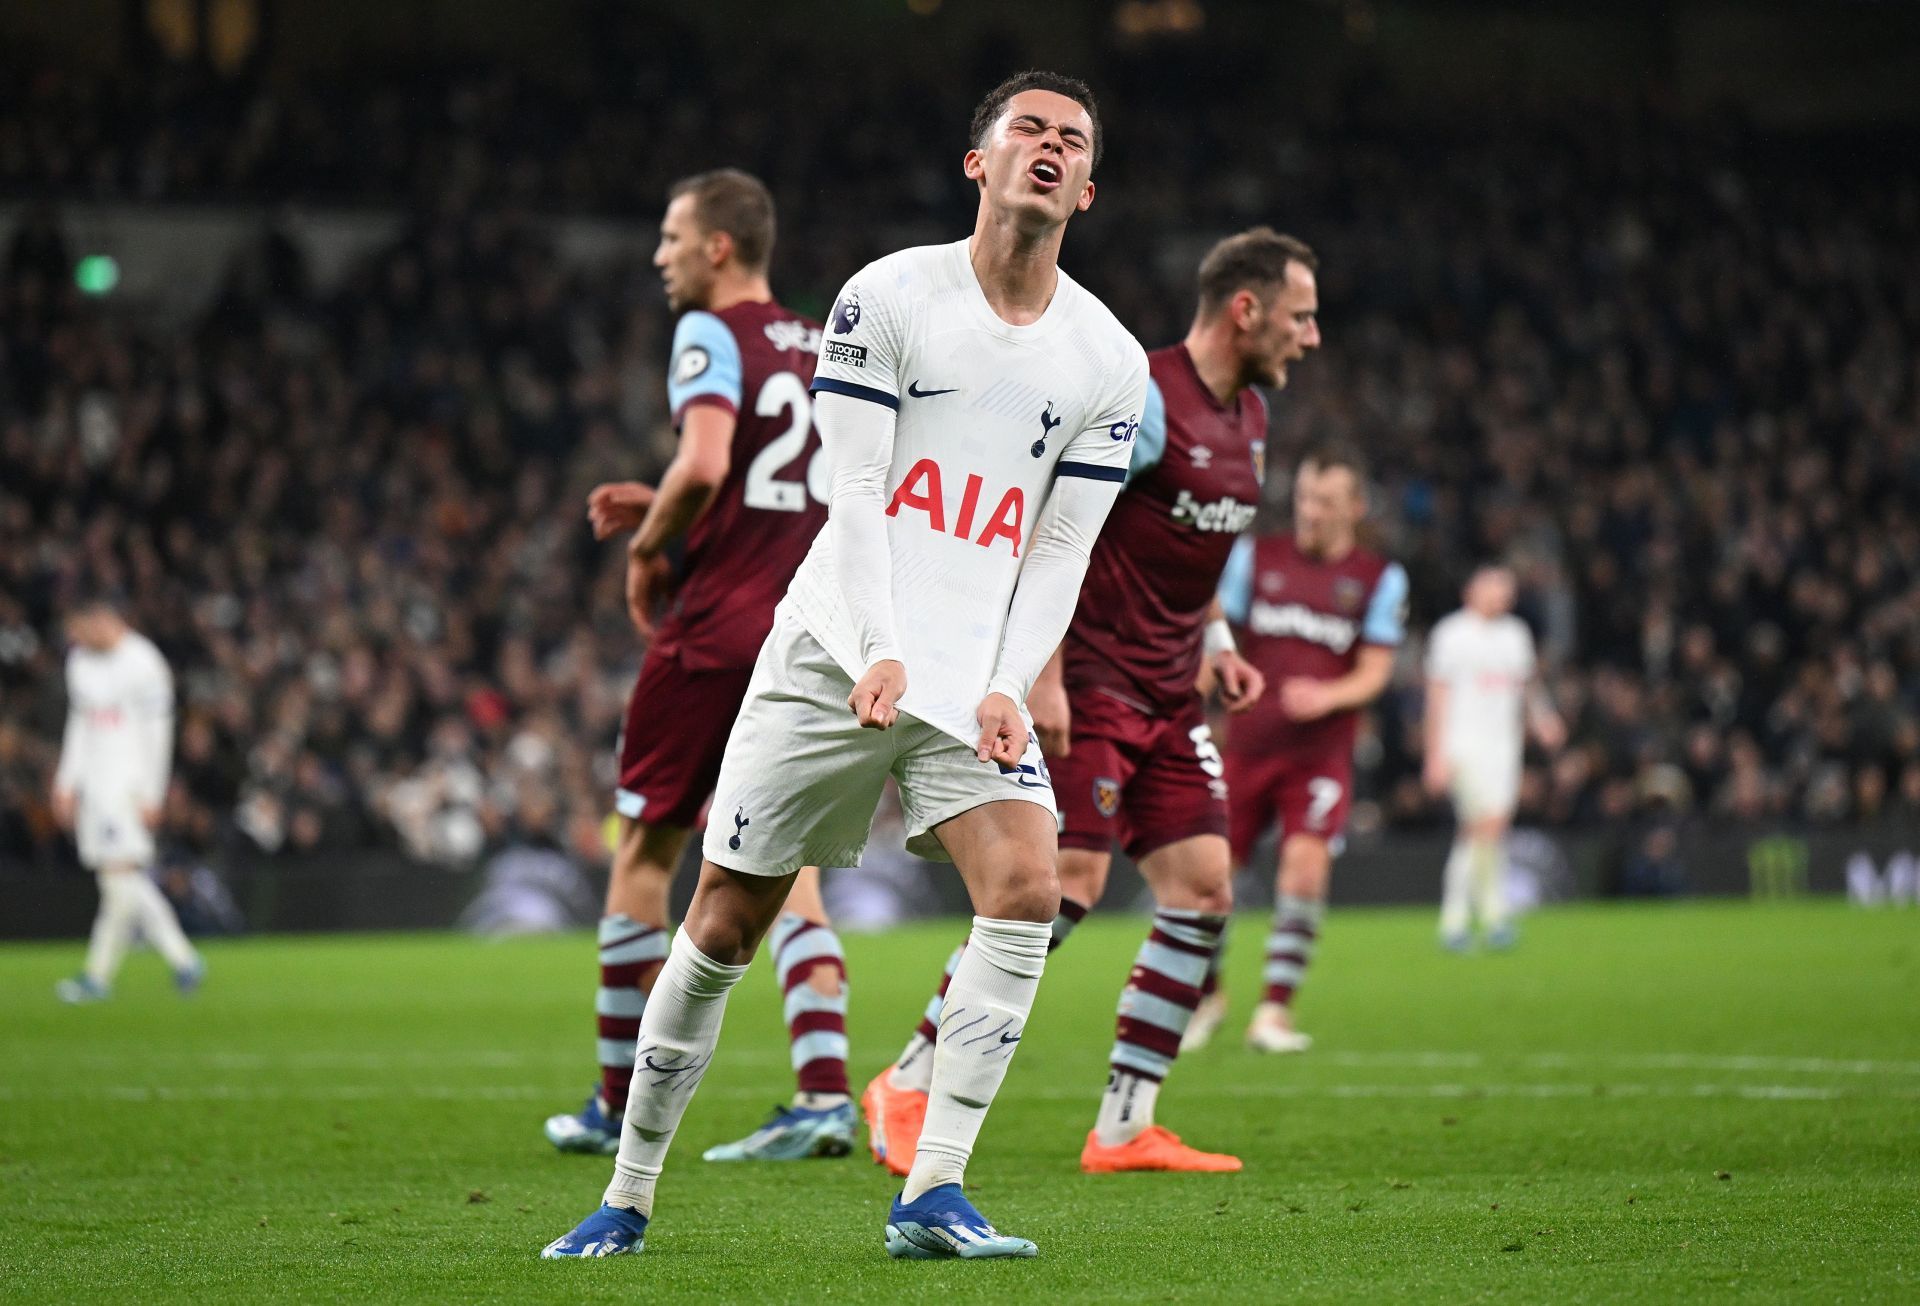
1659, 1103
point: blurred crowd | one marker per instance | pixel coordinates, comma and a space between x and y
1667, 368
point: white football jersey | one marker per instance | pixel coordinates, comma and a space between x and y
989, 415
1486, 664
118, 747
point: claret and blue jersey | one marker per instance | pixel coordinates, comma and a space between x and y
1193, 484
753, 360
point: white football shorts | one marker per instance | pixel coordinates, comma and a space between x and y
109, 832
1485, 786
800, 779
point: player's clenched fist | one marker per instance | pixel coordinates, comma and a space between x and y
646, 578
873, 699
617, 506
1241, 683
1003, 732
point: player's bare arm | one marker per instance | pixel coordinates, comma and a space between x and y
1309, 700
1052, 714
1549, 731
1437, 772
695, 475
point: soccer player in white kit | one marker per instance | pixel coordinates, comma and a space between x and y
1481, 681
977, 409
109, 788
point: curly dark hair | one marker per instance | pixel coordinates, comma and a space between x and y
1036, 79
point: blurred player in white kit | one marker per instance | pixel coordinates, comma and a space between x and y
1482, 689
109, 789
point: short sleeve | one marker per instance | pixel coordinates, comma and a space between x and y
1150, 446
705, 368
1529, 658
1386, 621
1236, 581
861, 351
1104, 449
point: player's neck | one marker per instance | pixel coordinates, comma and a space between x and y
739, 288
1214, 360
1333, 551
1018, 270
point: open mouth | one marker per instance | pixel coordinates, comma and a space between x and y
1046, 174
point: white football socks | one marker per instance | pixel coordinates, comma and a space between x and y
113, 924
914, 1070
1456, 898
981, 1021
1126, 1108
160, 925
677, 1038
1490, 882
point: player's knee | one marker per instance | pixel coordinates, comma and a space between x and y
1214, 898
1304, 868
1484, 829
1028, 889
1083, 875
731, 912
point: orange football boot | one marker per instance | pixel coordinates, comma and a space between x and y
894, 1120
1154, 1148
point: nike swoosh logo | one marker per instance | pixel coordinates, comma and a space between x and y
1009, 1038
913, 389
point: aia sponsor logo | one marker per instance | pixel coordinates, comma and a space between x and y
1228, 514
923, 491
1298, 621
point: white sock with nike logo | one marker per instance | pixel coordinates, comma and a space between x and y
981, 1021
677, 1038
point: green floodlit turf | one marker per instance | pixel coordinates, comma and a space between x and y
1719, 1102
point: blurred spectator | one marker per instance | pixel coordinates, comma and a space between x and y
1664, 366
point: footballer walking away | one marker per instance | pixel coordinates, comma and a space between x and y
978, 408
744, 491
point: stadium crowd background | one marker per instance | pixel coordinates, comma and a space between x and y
1667, 364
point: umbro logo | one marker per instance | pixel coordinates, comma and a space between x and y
913, 389
1202, 457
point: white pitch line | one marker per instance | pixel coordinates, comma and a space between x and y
504, 1059
1598, 1092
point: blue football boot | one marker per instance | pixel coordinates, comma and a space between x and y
189, 979
609, 1231
588, 1130
942, 1225
793, 1133
81, 990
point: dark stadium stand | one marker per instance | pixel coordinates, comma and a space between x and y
1663, 364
